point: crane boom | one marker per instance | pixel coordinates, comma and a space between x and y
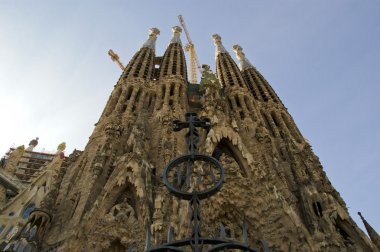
115, 58
194, 62
182, 21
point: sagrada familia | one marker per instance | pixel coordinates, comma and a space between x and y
179, 166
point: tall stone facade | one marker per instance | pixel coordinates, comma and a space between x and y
273, 182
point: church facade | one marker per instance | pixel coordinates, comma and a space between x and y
112, 193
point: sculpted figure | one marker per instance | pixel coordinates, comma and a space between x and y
122, 212
137, 139
261, 133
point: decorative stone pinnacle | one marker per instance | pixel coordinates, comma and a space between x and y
151, 42
61, 147
375, 238
217, 39
243, 61
176, 33
219, 48
34, 142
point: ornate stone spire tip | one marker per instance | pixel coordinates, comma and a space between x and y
61, 147
34, 142
176, 29
237, 48
219, 48
243, 61
176, 33
151, 42
154, 32
217, 39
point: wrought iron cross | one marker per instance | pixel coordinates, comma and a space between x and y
194, 177
192, 136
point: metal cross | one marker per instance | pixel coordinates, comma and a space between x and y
192, 136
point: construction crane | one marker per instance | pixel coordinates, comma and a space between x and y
115, 58
194, 63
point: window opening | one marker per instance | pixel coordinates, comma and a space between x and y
136, 101
171, 89
317, 208
163, 90
129, 93
230, 104
242, 116
237, 101
174, 66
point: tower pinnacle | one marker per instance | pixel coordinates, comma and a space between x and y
32, 144
375, 238
243, 61
173, 62
176, 33
219, 48
151, 42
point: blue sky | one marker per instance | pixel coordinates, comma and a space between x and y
321, 57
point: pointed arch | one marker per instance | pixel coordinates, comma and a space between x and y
230, 141
226, 147
125, 194
124, 185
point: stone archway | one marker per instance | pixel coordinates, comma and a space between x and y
228, 141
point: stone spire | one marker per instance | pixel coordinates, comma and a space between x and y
176, 33
256, 83
219, 48
226, 69
375, 238
243, 61
32, 144
151, 42
173, 61
141, 65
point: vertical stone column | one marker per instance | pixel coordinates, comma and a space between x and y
3, 195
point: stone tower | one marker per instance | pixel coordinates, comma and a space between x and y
273, 181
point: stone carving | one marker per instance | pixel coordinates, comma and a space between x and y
122, 212
13, 159
61, 147
271, 180
262, 134
137, 139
